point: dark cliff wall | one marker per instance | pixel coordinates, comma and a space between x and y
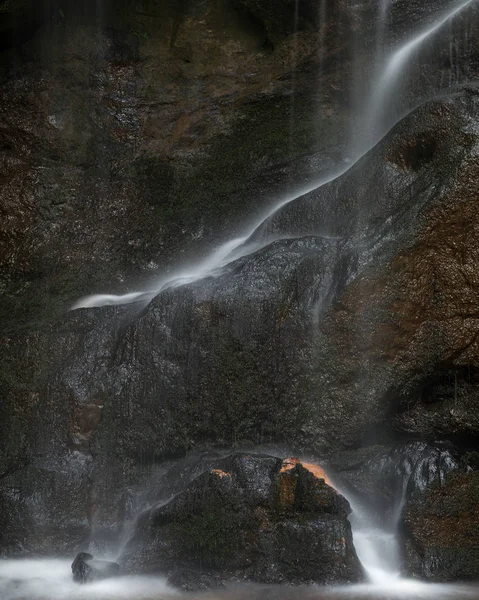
136, 135
133, 135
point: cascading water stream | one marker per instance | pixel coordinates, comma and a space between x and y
377, 549
384, 87
404, 472
383, 13
387, 83
212, 265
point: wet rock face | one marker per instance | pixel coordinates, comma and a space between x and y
384, 479
312, 326
285, 17
441, 528
359, 306
248, 517
172, 108
394, 329
53, 501
129, 136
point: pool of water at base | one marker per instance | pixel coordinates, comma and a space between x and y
52, 580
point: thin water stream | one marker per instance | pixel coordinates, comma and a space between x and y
388, 82
383, 87
211, 266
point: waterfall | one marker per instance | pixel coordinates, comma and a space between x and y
377, 548
211, 266
384, 86
403, 471
382, 109
383, 13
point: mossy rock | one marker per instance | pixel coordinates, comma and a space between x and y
233, 523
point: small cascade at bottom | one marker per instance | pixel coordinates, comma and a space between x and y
378, 547
378, 552
375, 531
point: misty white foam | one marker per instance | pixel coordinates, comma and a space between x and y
45, 579
52, 580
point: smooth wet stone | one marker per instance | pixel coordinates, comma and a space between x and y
87, 569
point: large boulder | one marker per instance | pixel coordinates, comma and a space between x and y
249, 517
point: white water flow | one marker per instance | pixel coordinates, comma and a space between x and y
51, 579
234, 249
211, 266
386, 85
377, 548
378, 551
383, 10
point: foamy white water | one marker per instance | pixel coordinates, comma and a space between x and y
45, 579
377, 548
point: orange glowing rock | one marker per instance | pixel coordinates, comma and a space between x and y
290, 462
221, 473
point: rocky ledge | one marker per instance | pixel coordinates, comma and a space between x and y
248, 518
441, 528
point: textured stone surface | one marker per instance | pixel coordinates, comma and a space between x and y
85, 569
291, 341
248, 517
384, 479
441, 528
